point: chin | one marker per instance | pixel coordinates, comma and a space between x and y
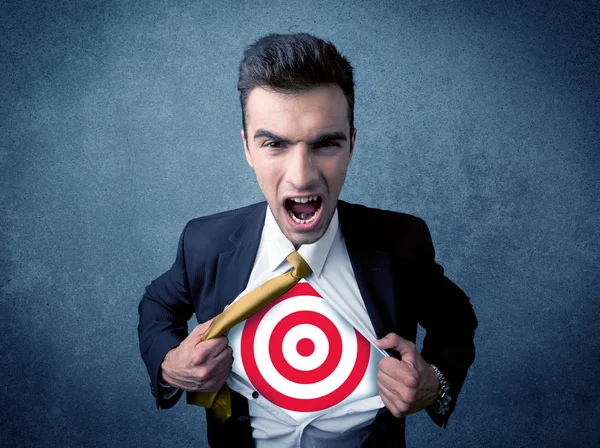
299, 240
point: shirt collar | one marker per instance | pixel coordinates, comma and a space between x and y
279, 247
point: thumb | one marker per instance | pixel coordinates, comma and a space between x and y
200, 329
401, 345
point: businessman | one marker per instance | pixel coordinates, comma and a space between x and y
374, 268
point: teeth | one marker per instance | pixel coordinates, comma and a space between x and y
304, 200
303, 221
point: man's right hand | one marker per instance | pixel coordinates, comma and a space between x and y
196, 365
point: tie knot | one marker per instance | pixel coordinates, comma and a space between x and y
301, 267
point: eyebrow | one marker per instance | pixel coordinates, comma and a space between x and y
329, 136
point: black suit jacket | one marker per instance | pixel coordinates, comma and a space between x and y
392, 257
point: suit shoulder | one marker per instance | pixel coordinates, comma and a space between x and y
379, 217
211, 230
223, 217
383, 227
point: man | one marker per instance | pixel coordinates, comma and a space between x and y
297, 96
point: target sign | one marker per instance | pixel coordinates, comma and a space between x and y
302, 356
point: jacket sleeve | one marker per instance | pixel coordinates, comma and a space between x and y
164, 311
447, 316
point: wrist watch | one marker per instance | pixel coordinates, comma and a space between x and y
442, 404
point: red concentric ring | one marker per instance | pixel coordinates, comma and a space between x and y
305, 376
277, 397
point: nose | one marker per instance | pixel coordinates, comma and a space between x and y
302, 173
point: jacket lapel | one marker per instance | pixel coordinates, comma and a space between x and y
235, 265
371, 266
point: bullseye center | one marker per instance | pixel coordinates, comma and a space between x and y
305, 347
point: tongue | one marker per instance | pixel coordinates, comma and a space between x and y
303, 211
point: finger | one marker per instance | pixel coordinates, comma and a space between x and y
212, 347
215, 383
398, 402
224, 360
223, 346
211, 384
394, 405
386, 382
390, 383
404, 389
205, 351
217, 376
390, 405
394, 367
393, 341
215, 372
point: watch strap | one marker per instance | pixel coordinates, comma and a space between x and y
442, 404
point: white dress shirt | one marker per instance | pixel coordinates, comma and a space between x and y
347, 425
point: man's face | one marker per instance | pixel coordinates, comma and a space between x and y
299, 146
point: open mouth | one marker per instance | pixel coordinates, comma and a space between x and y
304, 210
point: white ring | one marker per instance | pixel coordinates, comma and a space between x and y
290, 344
270, 373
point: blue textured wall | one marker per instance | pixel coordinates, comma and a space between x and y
119, 121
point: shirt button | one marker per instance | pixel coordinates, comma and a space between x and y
254, 394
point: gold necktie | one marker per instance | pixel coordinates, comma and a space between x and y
238, 311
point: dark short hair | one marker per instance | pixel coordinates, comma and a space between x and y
288, 63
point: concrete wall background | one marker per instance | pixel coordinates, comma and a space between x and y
119, 121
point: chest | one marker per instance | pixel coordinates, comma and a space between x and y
303, 358
389, 287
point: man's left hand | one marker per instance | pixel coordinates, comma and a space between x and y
406, 386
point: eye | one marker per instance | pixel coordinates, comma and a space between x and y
329, 144
273, 144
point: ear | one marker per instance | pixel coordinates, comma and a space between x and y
352, 141
246, 151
